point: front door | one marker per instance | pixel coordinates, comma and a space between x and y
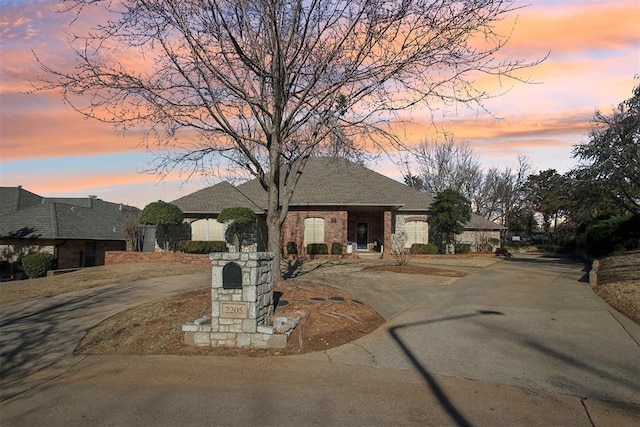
362, 235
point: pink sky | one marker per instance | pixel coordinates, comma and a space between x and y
594, 54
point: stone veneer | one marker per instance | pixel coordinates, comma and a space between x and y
239, 317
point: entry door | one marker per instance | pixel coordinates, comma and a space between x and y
362, 235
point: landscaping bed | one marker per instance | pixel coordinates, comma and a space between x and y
619, 283
329, 317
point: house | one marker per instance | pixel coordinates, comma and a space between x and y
77, 231
335, 201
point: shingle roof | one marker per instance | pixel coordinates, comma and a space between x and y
324, 182
59, 218
338, 182
479, 223
15, 198
214, 199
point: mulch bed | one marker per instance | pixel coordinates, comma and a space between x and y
329, 317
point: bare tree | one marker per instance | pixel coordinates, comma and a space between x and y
511, 192
265, 84
447, 164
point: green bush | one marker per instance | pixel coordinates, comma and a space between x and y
202, 247
161, 213
615, 234
37, 265
463, 248
422, 249
317, 249
292, 248
336, 248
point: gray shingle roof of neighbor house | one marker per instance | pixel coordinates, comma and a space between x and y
60, 218
15, 198
214, 199
479, 223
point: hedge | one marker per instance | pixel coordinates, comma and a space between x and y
336, 248
463, 248
202, 247
317, 249
37, 265
422, 249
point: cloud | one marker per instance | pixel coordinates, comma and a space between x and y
586, 26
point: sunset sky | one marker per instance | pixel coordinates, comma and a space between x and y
594, 54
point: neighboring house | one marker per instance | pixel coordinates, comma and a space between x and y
483, 235
335, 201
77, 231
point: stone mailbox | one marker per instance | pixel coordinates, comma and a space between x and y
241, 304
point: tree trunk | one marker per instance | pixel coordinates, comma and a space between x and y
274, 242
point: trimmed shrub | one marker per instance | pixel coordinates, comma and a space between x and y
292, 248
37, 265
463, 248
161, 213
202, 247
422, 249
317, 249
336, 248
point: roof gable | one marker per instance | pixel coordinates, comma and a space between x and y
214, 199
479, 223
329, 181
12, 199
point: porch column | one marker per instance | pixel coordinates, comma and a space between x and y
387, 235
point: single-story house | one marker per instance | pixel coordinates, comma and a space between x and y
77, 231
335, 201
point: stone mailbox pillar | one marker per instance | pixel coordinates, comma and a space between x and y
241, 294
241, 304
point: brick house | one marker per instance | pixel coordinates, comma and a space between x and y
335, 201
77, 231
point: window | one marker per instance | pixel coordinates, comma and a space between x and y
313, 230
417, 232
207, 229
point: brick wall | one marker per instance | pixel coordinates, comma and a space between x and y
114, 257
335, 230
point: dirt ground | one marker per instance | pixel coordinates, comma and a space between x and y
619, 283
329, 317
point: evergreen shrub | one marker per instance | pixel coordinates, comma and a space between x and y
317, 249
37, 265
202, 247
336, 248
292, 248
463, 248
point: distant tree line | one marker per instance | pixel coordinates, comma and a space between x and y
601, 194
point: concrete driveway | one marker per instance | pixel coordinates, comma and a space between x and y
518, 342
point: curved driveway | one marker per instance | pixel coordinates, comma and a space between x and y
522, 341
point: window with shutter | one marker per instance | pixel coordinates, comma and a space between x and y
313, 230
417, 232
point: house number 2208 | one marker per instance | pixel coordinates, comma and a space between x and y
234, 310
